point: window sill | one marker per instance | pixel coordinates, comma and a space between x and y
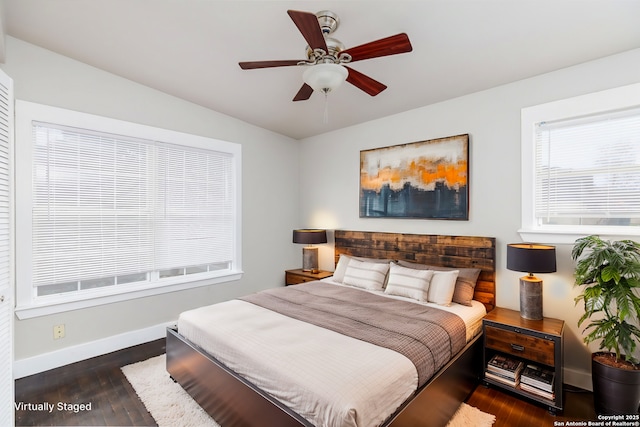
568, 236
52, 306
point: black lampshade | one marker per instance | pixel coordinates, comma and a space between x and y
531, 258
310, 236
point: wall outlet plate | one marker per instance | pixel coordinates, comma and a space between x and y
58, 331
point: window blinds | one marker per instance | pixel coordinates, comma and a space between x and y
589, 168
194, 209
108, 205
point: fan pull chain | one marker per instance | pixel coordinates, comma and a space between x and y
326, 107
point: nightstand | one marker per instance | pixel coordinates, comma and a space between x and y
297, 276
537, 342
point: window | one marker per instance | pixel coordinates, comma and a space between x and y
118, 210
581, 167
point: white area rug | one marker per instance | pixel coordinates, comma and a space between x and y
171, 406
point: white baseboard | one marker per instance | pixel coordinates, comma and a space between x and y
580, 379
43, 362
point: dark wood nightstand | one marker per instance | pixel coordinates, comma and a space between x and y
537, 342
297, 276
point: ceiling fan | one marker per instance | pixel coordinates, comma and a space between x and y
326, 56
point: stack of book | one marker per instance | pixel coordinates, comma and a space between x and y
538, 381
504, 370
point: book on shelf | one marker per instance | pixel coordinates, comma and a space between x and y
538, 377
537, 391
505, 366
512, 382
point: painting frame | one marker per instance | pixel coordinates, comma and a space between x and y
422, 180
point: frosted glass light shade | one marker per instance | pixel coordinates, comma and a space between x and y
325, 77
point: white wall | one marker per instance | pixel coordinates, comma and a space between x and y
270, 193
330, 182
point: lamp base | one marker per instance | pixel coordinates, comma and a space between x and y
531, 298
310, 259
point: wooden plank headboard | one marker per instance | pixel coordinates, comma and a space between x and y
446, 251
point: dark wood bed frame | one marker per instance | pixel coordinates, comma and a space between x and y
235, 402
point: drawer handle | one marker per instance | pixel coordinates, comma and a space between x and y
517, 347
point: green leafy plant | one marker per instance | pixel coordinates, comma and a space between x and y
610, 274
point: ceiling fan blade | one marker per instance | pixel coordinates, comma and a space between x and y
304, 93
308, 25
267, 64
364, 82
388, 46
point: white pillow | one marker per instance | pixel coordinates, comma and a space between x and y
343, 262
341, 268
366, 275
408, 282
442, 285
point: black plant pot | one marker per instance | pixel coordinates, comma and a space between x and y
615, 390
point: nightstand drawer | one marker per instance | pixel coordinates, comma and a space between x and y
520, 345
294, 279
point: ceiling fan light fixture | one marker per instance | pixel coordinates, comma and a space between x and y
325, 77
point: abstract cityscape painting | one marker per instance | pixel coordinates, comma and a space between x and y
426, 179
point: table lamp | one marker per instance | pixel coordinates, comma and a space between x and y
531, 258
310, 237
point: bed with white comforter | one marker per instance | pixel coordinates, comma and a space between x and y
328, 378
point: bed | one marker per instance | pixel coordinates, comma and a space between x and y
216, 374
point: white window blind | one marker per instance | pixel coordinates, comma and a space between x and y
194, 213
92, 205
587, 170
112, 210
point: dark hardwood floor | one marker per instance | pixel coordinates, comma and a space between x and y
100, 381
513, 411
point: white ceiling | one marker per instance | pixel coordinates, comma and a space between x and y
191, 48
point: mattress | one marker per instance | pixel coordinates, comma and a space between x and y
328, 378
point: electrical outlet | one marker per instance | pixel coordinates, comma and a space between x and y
58, 331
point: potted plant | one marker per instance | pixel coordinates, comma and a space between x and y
610, 274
